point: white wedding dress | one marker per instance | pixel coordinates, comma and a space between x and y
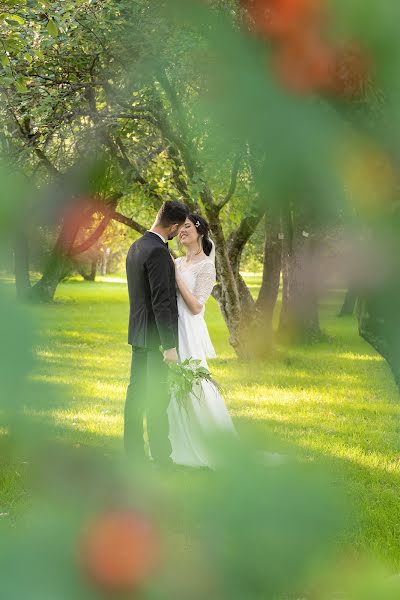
205, 412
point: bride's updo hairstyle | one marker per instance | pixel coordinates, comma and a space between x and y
203, 229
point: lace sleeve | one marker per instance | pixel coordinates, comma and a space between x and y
205, 281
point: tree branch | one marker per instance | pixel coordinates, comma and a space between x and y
239, 238
117, 147
141, 113
175, 102
27, 136
181, 140
73, 85
47, 163
160, 122
177, 172
116, 216
233, 183
92, 239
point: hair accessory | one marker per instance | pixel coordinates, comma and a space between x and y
197, 224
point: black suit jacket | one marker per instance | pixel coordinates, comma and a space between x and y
153, 318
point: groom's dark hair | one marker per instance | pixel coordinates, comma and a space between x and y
172, 212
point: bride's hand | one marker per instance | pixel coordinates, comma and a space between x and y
171, 356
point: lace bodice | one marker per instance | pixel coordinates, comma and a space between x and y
202, 278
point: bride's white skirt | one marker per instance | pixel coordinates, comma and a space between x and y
191, 426
204, 414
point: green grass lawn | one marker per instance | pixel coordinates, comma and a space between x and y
334, 402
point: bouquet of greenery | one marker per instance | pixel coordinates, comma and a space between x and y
184, 379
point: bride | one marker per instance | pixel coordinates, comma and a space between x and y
205, 412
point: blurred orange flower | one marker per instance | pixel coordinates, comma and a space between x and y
119, 550
281, 18
304, 63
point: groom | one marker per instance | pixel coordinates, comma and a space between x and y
153, 322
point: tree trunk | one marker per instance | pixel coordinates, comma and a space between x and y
299, 321
379, 325
91, 274
93, 269
238, 314
349, 303
57, 268
65, 250
104, 261
269, 290
247, 304
21, 265
59, 264
228, 293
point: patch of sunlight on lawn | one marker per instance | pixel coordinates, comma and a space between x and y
110, 279
354, 356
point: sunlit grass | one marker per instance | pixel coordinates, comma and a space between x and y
334, 402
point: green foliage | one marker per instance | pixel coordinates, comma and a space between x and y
84, 55
185, 378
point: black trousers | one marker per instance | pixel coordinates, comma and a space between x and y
147, 395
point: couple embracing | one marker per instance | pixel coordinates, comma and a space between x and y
166, 324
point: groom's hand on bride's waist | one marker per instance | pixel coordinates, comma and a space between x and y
170, 355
